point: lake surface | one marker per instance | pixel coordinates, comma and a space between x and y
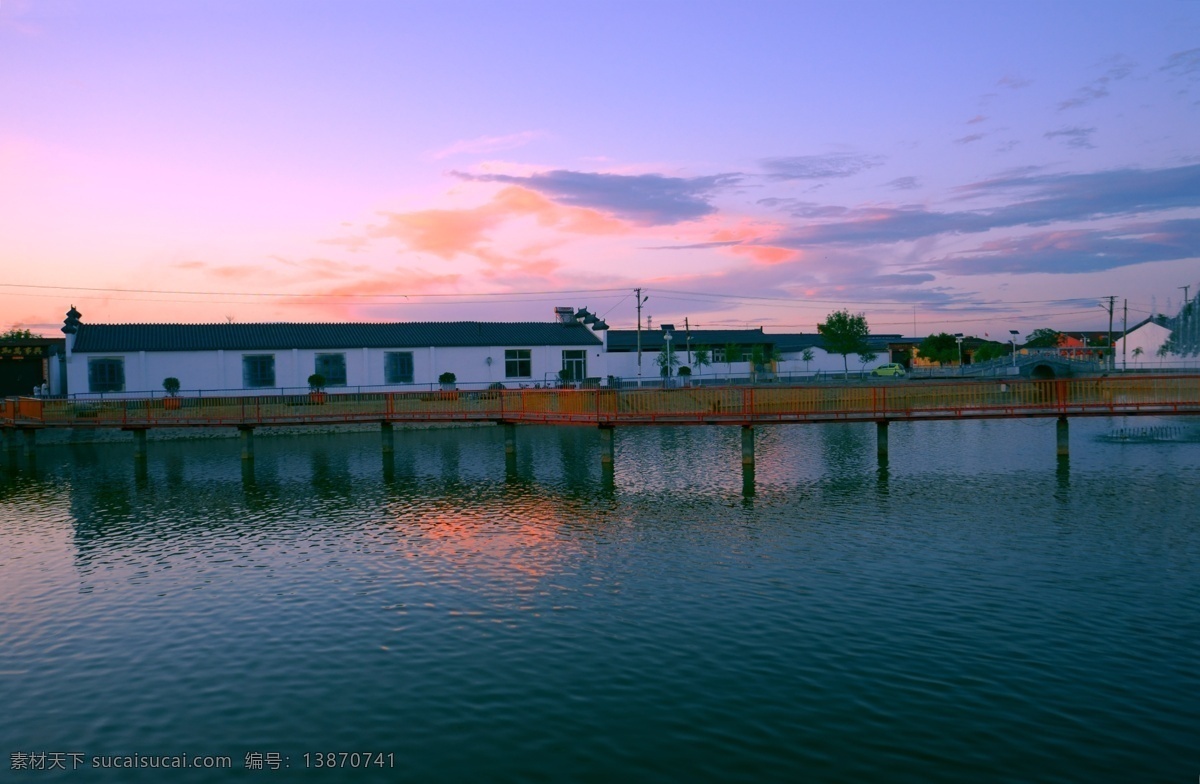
974, 609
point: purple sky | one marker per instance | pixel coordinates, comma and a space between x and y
975, 167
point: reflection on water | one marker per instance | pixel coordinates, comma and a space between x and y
967, 604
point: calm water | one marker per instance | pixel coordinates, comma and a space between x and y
974, 610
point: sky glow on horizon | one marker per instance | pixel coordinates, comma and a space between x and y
967, 167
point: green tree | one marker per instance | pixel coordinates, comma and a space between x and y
989, 351
867, 357
701, 359
760, 357
807, 356
733, 353
17, 334
667, 361
845, 333
941, 348
1044, 337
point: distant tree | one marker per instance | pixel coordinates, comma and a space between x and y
760, 357
807, 356
867, 357
667, 361
701, 359
845, 333
989, 351
733, 353
1137, 352
941, 348
17, 334
1044, 337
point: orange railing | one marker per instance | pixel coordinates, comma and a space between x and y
767, 403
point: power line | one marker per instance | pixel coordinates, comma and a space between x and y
314, 296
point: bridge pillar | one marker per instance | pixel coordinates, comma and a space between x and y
606, 445
246, 435
747, 445
139, 444
387, 436
30, 440
510, 438
881, 438
1063, 433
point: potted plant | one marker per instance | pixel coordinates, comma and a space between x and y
565, 379
447, 380
316, 388
685, 375
171, 385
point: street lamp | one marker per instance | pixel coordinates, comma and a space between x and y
1013, 339
958, 338
667, 337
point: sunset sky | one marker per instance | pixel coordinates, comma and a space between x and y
970, 166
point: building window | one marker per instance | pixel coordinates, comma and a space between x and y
106, 374
518, 363
333, 368
574, 365
258, 370
398, 367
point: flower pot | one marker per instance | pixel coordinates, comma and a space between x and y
171, 403
316, 397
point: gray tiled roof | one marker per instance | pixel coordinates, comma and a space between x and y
284, 336
626, 339
652, 340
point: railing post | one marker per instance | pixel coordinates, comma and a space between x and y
510, 438
747, 445
247, 437
606, 445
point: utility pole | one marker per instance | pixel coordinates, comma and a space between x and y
1185, 296
687, 328
1125, 336
638, 294
1109, 361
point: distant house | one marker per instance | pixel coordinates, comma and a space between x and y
270, 358
1140, 345
790, 349
28, 365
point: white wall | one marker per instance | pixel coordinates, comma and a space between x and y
1149, 338
624, 366
221, 371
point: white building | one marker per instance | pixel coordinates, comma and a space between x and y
1139, 348
275, 358
729, 352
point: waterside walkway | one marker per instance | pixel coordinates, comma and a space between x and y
883, 402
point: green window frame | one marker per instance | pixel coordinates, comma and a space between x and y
398, 367
574, 362
106, 374
332, 367
258, 371
518, 363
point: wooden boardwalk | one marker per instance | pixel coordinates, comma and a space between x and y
750, 405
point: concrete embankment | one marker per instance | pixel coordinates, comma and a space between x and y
48, 435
